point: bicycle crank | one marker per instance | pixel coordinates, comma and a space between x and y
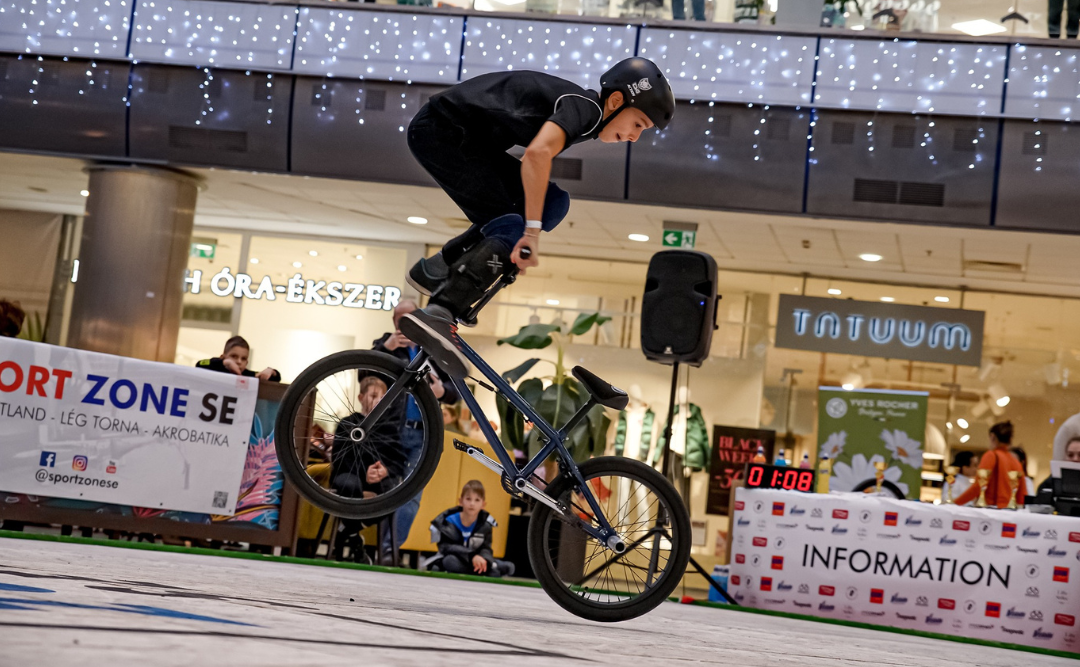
521, 484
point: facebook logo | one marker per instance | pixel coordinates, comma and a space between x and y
48, 459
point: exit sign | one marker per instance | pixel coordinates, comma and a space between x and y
203, 250
677, 239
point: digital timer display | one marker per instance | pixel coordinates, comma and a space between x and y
761, 476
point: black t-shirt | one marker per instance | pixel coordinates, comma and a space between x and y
507, 109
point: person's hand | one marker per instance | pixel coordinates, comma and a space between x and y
231, 366
396, 340
437, 387
532, 242
376, 473
267, 373
479, 565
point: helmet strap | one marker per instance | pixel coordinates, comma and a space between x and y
605, 121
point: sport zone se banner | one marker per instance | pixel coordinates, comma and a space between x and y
91, 426
988, 574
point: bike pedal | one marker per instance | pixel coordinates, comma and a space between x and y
508, 486
460, 446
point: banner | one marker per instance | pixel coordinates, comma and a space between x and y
732, 449
90, 426
1002, 576
860, 427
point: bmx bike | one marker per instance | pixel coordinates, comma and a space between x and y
608, 539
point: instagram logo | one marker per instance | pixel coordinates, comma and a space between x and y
79, 463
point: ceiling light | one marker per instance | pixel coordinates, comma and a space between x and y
851, 381
313, 253
417, 220
962, 423
941, 299
888, 299
870, 257
552, 302
948, 425
84, 193
254, 260
857, 26
978, 27
638, 237
359, 257
979, 409
834, 291
998, 395
341, 267
965, 438
297, 265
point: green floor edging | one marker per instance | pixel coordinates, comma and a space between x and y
199, 551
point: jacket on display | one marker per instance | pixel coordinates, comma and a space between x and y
645, 441
697, 450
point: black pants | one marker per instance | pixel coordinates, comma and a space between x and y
1072, 22
458, 565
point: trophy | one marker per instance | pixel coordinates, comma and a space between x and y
983, 478
950, 479
879, 476
1014, 483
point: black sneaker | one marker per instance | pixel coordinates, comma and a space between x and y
427, 274
439, 338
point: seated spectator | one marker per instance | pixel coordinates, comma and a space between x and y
12, 317
235, 360
1021, 456
1071, 454
968, 467
464, 536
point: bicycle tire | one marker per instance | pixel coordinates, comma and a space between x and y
295, 470
540, 550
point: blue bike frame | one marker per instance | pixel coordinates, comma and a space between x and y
555, 439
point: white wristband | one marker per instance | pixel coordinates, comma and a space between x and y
533, 224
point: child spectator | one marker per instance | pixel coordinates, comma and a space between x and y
464, 536
11, 318
235, 360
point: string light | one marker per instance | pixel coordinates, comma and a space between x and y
1044, 82
65, 27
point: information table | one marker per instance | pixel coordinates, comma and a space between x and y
988, 574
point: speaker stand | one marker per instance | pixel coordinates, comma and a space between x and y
670, 474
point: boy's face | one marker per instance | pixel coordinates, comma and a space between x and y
471, 504
627, 126
239, 355
370, 398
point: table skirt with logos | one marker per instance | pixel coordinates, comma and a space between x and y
980, 573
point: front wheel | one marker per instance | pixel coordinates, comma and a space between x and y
587, 578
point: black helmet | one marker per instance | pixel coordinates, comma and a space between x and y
643, 86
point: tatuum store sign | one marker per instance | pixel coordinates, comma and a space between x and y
887, 330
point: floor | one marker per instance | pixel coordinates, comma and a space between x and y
73, 604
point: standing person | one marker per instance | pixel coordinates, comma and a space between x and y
461, 137
968, 466
1053, 18
235, 360
412, 431
1021, 456
999, 461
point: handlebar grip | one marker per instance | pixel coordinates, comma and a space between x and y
525, 253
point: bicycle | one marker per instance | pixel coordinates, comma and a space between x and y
608, 539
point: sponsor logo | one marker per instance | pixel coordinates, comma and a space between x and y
1050, 534
981, 626
755, 560
946, 541
1029, 533
945, 603
825, 606
922, 601
1036, 615
639, 87
773, 601
739, 505
739, 597
917, 538
839, 514
852, 593
804, 589
1062, 596
819, 529
873, 613
906, 617
933, 620
1011, 631
826, 590
877, 596
759, 507
1039, 634
778, 509
996, 547
787, 526
766, 583
111, 468
1065, 619
936, 523
816, 513
47, 460
1055, 553
898, 599
1031, 570
1061, 574
743, 522
993, 609
1032, 592
985, 528
969, 544
891, 518
889, 536
760, 541
837, 530
849, 610
1015, 613
912, 521
961, 525
1008, 530
865, 516
796, 511
735, 580
1026, 550
804, 605
1074, 537
783, 586
969, 606
740, 558
80, 463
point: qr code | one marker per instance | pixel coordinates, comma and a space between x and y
221, 499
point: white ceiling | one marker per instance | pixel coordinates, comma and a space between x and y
912, 254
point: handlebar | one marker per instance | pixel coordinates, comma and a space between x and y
525, 253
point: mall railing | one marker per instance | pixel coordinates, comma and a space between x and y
938, 129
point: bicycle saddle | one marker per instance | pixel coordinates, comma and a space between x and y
605, 394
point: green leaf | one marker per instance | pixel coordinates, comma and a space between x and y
514, 374
513, 424
585, 321
531, 390
531, 337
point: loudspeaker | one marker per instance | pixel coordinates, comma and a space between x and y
678, 310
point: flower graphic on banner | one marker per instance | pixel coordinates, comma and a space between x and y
903, 447
834, 445
846, 477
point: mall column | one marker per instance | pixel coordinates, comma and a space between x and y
136, 239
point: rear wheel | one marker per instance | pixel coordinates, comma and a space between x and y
327, 457
587, 578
